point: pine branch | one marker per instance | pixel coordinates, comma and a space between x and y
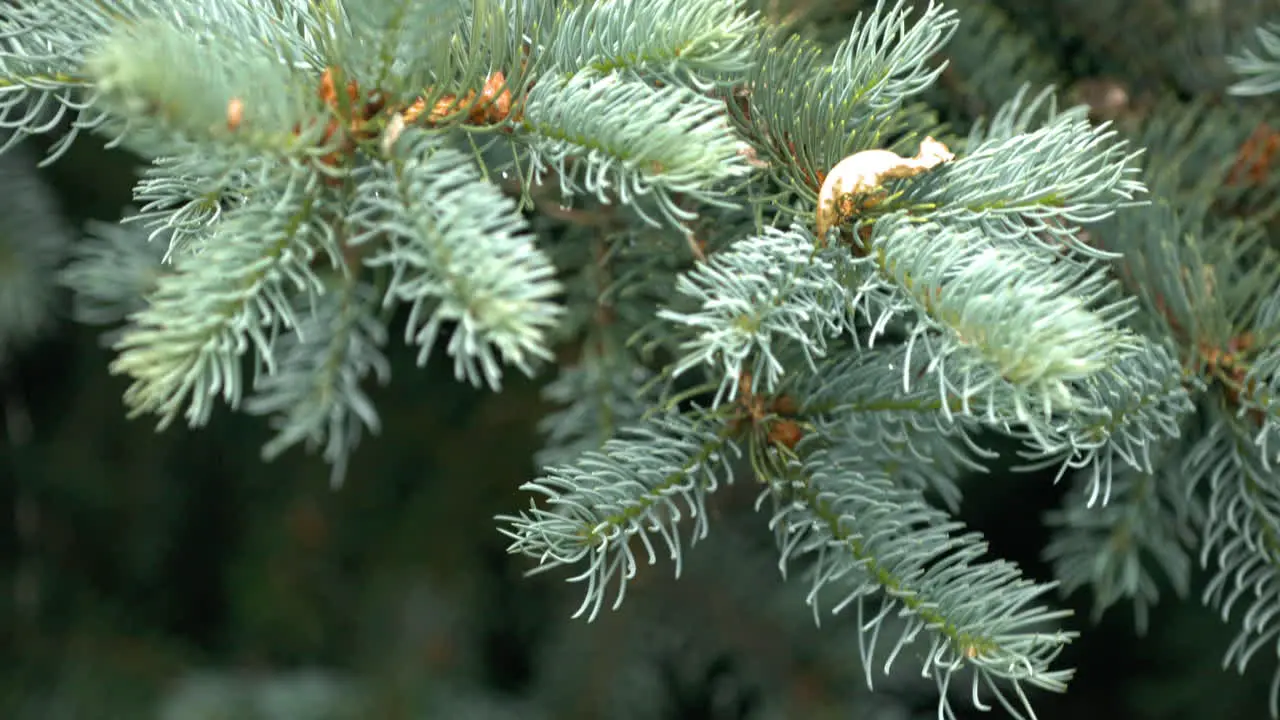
805, 112
619, 139
41, 69
762, 295
398, 44
1259, 388
601, 395
206, 92
1032, 187
314, 164
902, 436
639, 487
180, 201
1139, 401
870, 538
699, 44
315, 392
1150, 524
459, 252
184, 349
990, 61
1241, 537
33, 242
112, 271
966, 293
1260, 67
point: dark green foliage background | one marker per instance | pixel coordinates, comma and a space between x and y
155, 554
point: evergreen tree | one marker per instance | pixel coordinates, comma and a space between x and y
743, 252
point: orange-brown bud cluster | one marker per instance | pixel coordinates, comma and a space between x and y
358, 126
492, 106
1232, 367
774, 417
1253, 161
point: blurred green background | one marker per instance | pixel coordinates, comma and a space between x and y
175, 575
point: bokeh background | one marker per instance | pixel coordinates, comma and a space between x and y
175, 575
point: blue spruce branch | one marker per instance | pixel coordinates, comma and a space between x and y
314, 165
